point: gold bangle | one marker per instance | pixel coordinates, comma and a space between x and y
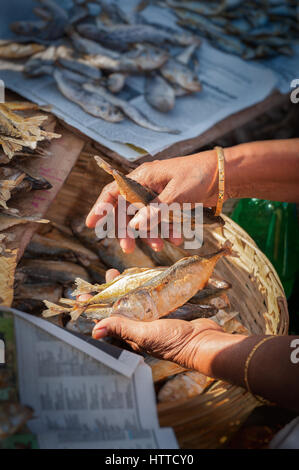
247, 363
220, 200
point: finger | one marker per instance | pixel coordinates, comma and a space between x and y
156, 244
109, 195
127, 242
111, 274
84, 297
175, 236
149, 216
122, 327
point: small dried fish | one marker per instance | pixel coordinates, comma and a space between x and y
17, 131
129, 280
16, 50
184, 386
116, 82
112, 255
7, 220
121, 36
157, 297
159, 94
61, 272
44, 30
91, 48
129, 110
213, 288
189, 312
80, 66
62, 248
70, 85
180, 74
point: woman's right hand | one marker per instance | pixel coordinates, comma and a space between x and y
192, 179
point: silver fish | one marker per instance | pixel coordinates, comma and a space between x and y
129, 110
80, 67
123, 35
70, 85
159, 94
178, 73
116, 82
47, 30
89, 47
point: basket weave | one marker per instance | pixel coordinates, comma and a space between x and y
210, 419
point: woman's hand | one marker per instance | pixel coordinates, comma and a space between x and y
173, 340
184, 179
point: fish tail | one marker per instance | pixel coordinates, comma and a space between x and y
104, 165
82, 287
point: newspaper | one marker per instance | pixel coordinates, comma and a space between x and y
230, 84
85, 394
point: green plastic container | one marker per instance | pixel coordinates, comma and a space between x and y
274, 228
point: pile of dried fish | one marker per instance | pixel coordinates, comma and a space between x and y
249, 29
21, 136
93, 48
18, 132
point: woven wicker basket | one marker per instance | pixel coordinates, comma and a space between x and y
206, 421
209, 420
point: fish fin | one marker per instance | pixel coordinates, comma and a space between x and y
83, 287
53, 309
76, 312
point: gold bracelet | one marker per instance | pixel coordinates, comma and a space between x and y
220, 200
247, 363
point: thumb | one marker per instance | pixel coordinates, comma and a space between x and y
122, 327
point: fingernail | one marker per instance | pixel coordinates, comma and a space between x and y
99, 333
156, 246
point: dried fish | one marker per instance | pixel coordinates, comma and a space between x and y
178, 73
88, 47
112, 255
189, 312
17, 131
70, 85
129, 110
121, 36
143, 58
116, 82
159, 94
213, 288
184, 386
62, 248
7, 220
61, 272
129, 280
155, 298
80, 66
45, 30
16, 50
